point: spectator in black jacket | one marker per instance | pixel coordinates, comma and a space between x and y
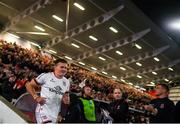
162, 107
177, 112
7, 87
119, 107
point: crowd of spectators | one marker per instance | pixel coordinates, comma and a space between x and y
19, 65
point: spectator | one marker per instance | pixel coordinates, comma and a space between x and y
86, 110
119, 107
177, 112
162, 107
7, 87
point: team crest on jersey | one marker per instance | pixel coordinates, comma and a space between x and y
52, 80
64, 83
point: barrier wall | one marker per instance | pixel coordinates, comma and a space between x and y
8, 114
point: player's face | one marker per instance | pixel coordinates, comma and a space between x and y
61, 69
117, 94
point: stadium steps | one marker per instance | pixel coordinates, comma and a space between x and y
9, 114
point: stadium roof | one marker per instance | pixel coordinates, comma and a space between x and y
113, 37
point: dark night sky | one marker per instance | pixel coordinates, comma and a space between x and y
163, 13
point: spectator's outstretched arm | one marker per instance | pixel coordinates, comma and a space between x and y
105, 106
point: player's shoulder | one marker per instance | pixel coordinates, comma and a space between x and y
41, 75
65, 79
45, 75
49, 73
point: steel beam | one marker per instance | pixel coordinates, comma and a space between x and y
136, 58
31, 9
113, 45
168, 76
84, 27
151, 69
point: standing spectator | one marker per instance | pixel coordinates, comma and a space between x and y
162, 107
119, 107
86, 110
7, 87
53, 86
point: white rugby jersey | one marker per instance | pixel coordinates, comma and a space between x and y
52, 88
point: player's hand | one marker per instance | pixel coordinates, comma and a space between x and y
41, 100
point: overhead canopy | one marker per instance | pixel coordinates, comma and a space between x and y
100, 33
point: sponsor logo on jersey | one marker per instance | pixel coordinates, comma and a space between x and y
118, 107
57, 90
162, 106
44, 117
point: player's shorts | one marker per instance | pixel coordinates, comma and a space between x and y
42, 116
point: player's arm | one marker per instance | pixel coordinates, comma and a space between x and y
31, 88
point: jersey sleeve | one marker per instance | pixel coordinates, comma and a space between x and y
41, 79
68, 87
